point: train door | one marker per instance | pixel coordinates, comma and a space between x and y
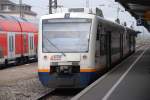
132, 37
108, 49
31, 44
97, 54
25, 43
105, 49
130, 42
121, 45
134, 42
103, 61
11, 45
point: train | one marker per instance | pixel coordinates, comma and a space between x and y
18, 40
75, 48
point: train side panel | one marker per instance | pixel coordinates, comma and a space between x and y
25, 44
18, 44
14, 40
3, 47
106, 48
3, 44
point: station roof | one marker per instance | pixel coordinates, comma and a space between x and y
140, 9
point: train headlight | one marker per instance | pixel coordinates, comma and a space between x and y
84, 57
45, 57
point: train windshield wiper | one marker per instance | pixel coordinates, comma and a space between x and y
55, 46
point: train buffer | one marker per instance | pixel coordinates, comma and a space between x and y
130, 80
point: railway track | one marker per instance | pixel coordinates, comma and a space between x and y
16, 64
22, 83
45, 95
59, 94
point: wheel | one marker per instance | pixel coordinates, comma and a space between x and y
18, 61
6, 63
1, 66
26, 59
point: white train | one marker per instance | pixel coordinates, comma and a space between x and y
76, 48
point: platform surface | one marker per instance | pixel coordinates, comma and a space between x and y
130, 80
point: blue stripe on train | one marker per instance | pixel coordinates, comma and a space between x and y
85, 78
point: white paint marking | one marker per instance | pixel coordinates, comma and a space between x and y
122, 77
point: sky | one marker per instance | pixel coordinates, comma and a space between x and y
109, 8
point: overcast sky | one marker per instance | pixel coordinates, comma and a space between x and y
109, 8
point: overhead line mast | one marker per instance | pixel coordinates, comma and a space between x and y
52, 5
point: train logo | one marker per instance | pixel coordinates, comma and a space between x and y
55, 57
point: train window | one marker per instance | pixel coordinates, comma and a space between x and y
25, 41
31, 42
1, 50
2, 17
97, 35
7, 17
11, 45
102, 44
74, 38
18, 19
98, 32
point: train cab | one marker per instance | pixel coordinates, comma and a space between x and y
75, 48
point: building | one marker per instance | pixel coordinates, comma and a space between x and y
8, 7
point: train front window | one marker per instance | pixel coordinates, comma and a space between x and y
66, 35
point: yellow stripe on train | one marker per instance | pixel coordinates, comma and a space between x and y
81, 70
43, 70
87, 70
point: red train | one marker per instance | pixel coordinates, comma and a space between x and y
18, 40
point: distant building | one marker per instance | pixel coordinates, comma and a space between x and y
7, 7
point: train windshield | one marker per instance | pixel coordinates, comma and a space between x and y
66, 35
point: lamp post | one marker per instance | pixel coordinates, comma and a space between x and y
20, 8
52, 5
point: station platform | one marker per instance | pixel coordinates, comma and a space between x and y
130, 80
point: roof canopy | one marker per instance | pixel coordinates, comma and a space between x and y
140, 9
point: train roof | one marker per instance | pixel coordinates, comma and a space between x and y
61, 15
116, 26
105, 22
9, 25
4, 17
29, 27
15, 24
